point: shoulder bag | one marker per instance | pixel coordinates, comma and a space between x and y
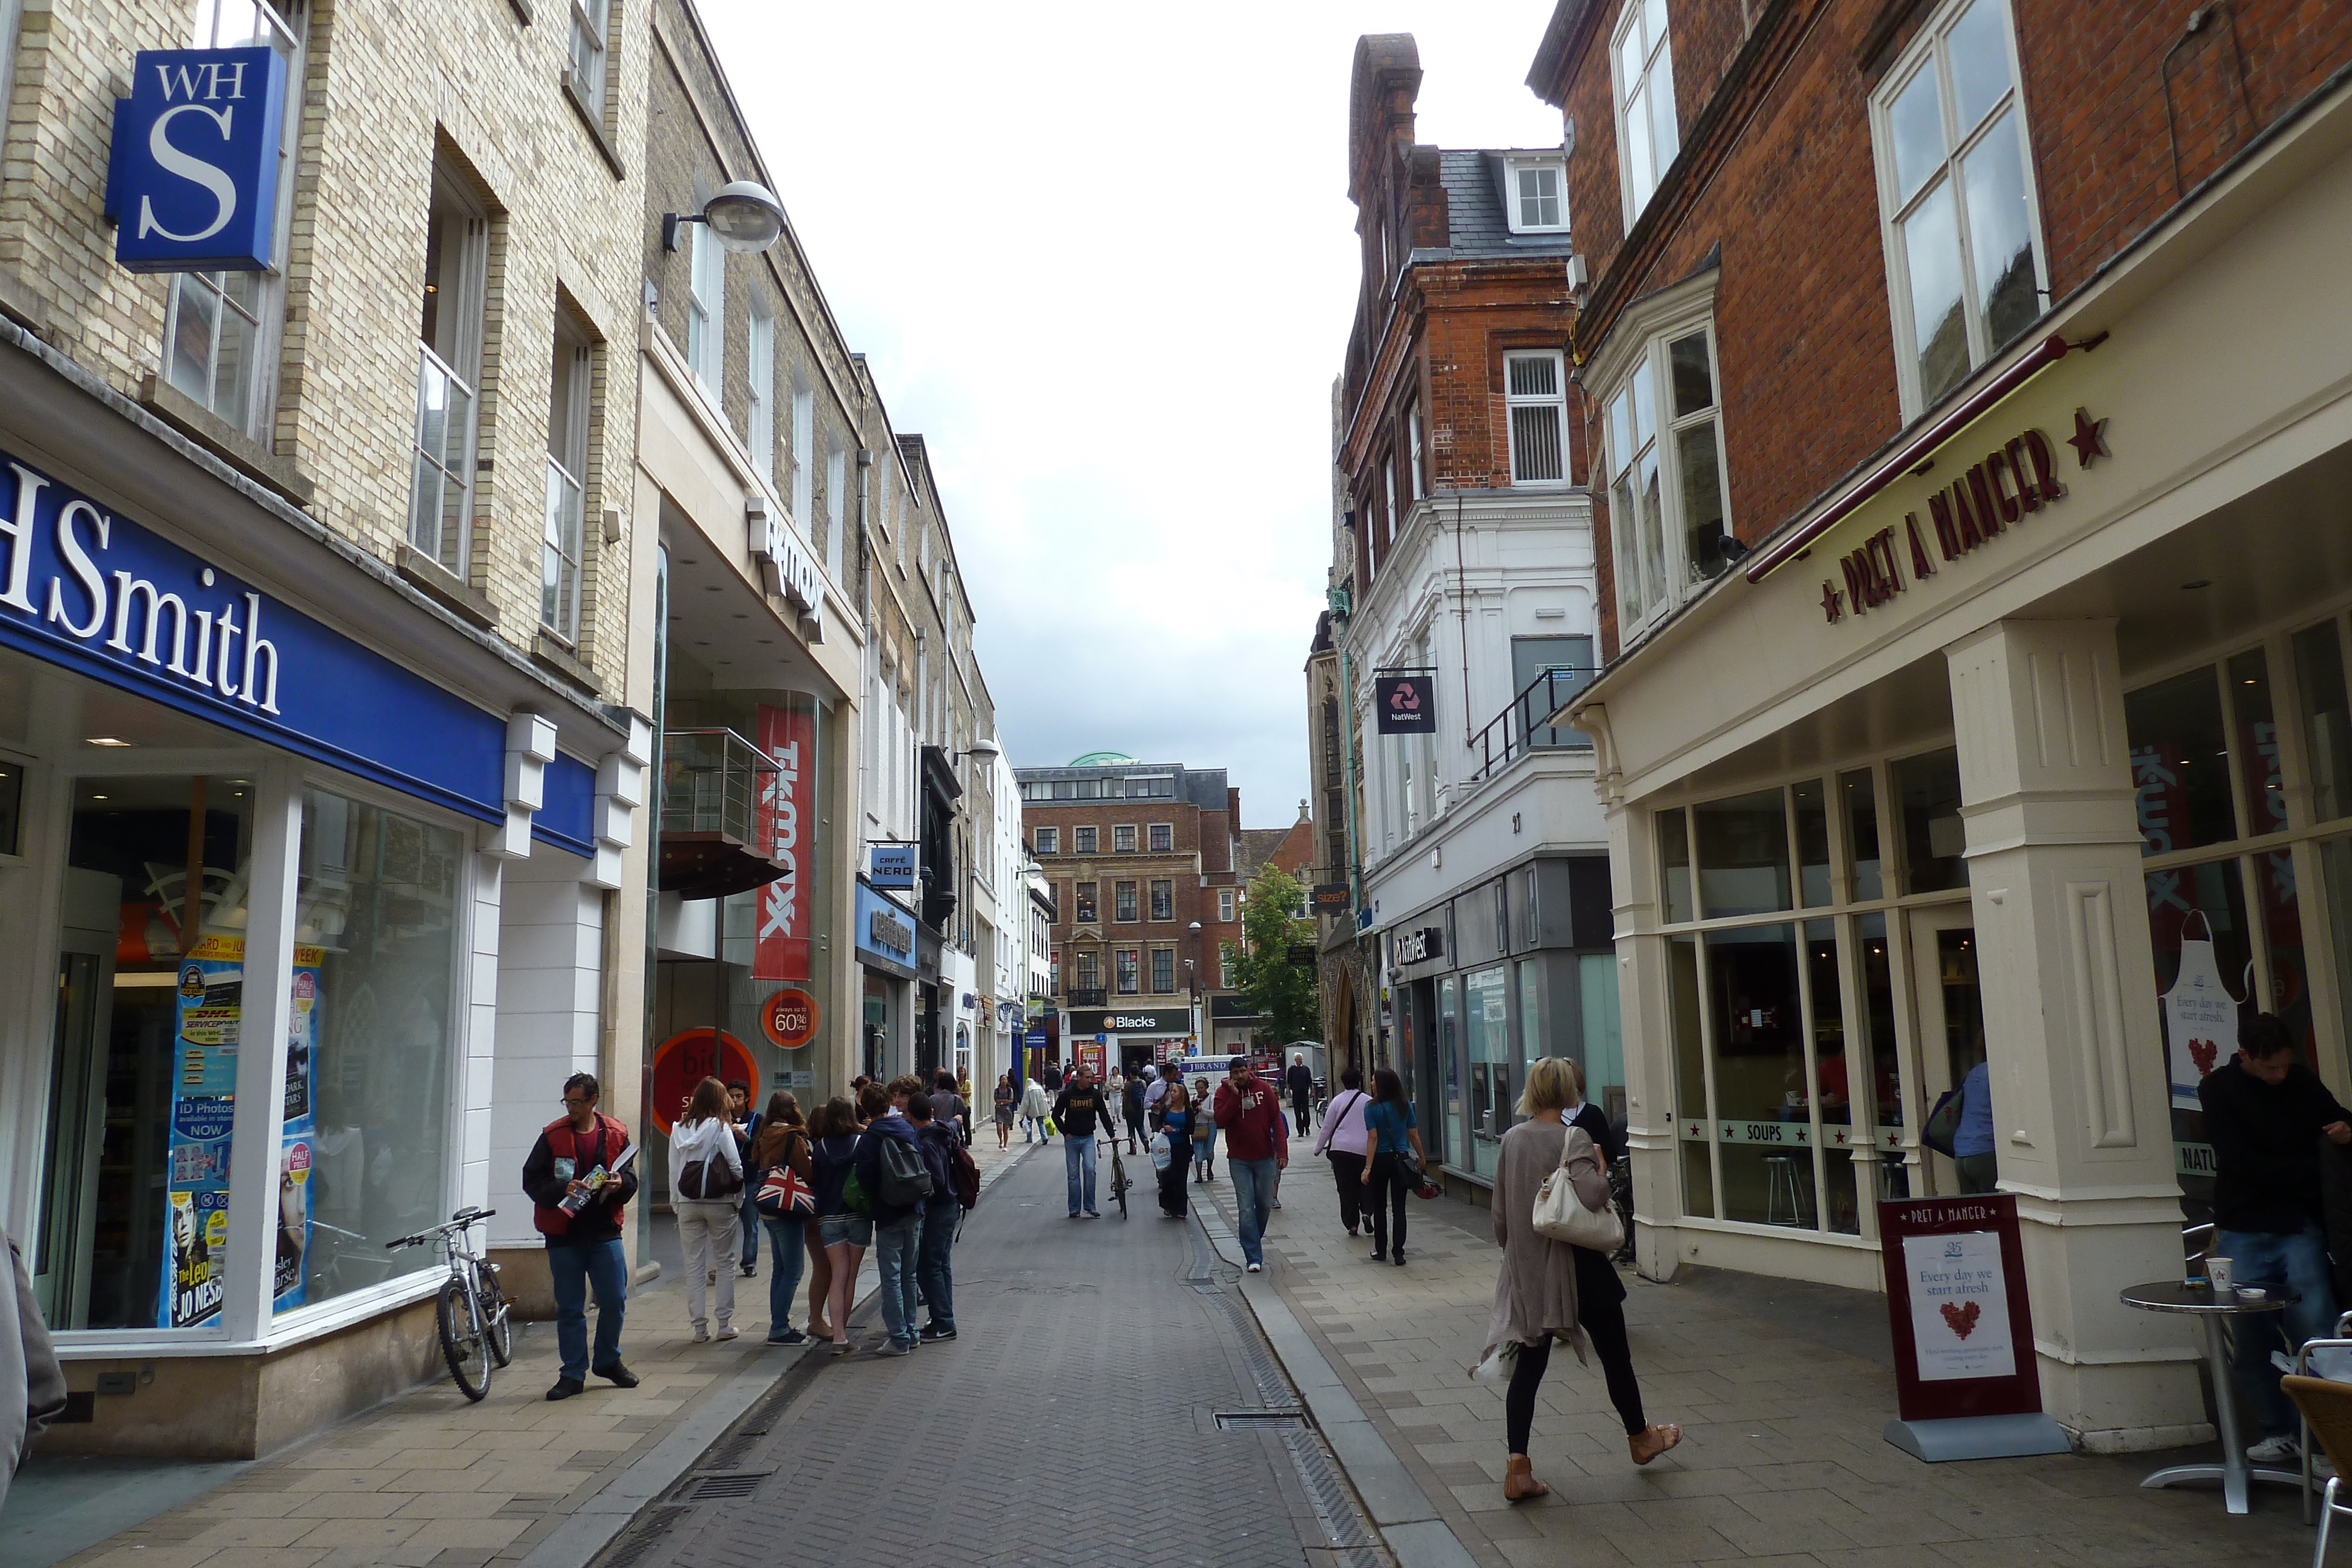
782, 1195
1562, 1215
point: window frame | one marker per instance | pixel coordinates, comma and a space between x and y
1153, 890
1126, 901
469, 294
1163, 958
563, 535
1654, 353
1161, 837
759, 374
591, 24
1086, 840
1926, 51
1123, 839
706, 310
1127, 971
1556, 402
1660, 52
1049, 841
1515, 197
1225, 902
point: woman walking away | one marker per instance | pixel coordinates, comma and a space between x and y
1004, 1111
1176, 1134
1341, 1139
1390, 1133
1548, 1289
1204, 1133
706, 1185
1034, 1109
844, 1236
783, 1145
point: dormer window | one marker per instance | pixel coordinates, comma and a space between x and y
1538, 204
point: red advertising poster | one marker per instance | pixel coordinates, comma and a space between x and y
685, 1059
780, 947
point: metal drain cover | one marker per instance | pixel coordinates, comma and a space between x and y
1260, 1420
712, 1488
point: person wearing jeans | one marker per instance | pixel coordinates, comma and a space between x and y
584, 1247
1390, 1134
898, 1228
1079, 1111
935, 1256
782, 1140
2265, 1114
1257, 1148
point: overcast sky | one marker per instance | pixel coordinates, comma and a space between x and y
1102, 258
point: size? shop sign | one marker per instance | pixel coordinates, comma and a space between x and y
2004, 488
191, 180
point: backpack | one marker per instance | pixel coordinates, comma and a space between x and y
853, 1193
709, 1179
906, 1179
965, 1172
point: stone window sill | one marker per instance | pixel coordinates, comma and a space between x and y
548, 649
216, 435
453, 593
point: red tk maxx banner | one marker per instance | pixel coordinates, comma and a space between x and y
780, 949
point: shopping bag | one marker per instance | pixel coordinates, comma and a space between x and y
1562, 1215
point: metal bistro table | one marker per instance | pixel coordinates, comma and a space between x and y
2199, 1301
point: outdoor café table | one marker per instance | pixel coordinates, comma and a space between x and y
2199, 1301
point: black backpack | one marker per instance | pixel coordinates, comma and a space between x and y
905, 1174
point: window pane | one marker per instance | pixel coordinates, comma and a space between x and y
1916, 127
1694, 382
1885, 1091
2182, 903
1644, 405
1673, 864
1653, 527
2281, 923
1533, 375
2000, 233
1812, 804
381, 893
1931, 251
1627, 532
1927, 792
2181, 763
1702, 488
1664, 136
1691, 1118
1487, 1038
1743, 854
2326, 724
1761, 1124
1861, 802
1621, 432
195, 314
1638, 173
1832, 1078
2256, 743
1535, 444
1980, 57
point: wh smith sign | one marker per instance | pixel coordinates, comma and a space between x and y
192, 183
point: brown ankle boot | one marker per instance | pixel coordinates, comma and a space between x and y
1519, 1482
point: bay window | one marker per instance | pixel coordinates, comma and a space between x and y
1668, 505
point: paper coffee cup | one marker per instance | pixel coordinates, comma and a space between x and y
2218, 1269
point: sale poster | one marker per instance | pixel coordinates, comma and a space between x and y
1959, 1306
209, 1014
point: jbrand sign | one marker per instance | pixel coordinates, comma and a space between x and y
193, 180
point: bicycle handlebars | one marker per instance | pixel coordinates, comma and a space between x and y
464, 1219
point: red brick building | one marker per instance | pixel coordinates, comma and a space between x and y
2005, 341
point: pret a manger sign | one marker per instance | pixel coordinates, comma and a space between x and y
2002, 489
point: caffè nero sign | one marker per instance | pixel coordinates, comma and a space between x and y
2003, 490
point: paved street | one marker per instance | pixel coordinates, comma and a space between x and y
1073, 1422
1781, 1388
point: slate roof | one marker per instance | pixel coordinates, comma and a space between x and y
1476, 223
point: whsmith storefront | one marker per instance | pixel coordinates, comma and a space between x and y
2033, 746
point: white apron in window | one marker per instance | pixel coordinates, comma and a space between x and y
2200, 1017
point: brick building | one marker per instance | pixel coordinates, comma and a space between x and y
1142, 861
1462, 566
2003, 339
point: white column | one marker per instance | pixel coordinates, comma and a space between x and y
550, 988
249, 1277
2082, 1115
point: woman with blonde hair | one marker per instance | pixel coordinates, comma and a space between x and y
1548, 1289
706, 1186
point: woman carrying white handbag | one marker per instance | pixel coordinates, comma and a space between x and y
1556, 1227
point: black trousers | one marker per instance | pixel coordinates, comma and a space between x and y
1604, 1325
1348, 1171
1172, 1197
1385, 1196
1300, 1107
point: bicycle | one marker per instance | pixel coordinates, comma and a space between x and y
472, 1313
1119, 1182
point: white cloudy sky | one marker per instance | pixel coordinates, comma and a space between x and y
1102, 258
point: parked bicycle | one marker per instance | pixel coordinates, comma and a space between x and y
473, 1311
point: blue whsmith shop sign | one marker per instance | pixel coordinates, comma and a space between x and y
192, 183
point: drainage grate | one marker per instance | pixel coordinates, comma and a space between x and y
640, 1538
1260, 1420
714, 1487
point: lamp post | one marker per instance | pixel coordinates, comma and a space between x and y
1192, 980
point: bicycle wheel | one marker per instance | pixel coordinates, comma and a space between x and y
1118, 1185
497, 1315
462, 1338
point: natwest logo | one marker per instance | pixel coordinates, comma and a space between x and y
1420, 947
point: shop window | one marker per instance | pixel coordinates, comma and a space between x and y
222, 331
1757, 1018
1127, 978
1926, 792
1163, 969
449, 348
2326, 720
144, 1066
567, 470
1833, 1082
1123, 901
1163, 838
2181, 763
1604, 1047
1883, 1076
1811, 809
1085, 839
1084, 901
1649, 134
1486, 1034
1449, 1062
1693, 1115
2255, 741
1675, 866
1164, 899
1859, 798
382, 896
1743, 854
1122, 838
1963, 254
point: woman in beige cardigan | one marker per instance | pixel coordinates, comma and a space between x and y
1550, 1289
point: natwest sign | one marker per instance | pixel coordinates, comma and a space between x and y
191, 180
1418, 946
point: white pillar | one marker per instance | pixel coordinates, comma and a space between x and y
249, 1278
2082, 1113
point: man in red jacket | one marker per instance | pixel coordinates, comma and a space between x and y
582, 1248
1256, 1149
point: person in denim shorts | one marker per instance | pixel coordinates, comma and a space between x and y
833, 1152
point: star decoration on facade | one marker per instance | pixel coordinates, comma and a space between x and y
1832, 602
2087, 441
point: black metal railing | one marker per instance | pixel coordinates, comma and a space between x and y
1087, 999
1523, 726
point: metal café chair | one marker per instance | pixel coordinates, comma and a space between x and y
2326, 1407
2328, 1362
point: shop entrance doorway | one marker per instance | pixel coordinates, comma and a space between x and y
1951, 1009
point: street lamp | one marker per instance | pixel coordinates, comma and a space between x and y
1192, 980
743, 217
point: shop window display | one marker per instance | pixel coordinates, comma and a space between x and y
1884, 1079
1834, 1075
1486, 1027
2181, 763
1764, 1149
1692, 1117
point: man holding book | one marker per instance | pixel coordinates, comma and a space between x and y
579, 1174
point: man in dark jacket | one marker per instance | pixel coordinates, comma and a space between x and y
584, 1249
898, 1228
2265, 1114
940, 1144
1301, 1083
1081, 1110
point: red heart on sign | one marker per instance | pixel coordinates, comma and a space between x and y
1962, 1320
2203, 1053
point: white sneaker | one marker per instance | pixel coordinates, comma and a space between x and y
1257, 1268
726, 1332
2278, 1451
701, 1336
